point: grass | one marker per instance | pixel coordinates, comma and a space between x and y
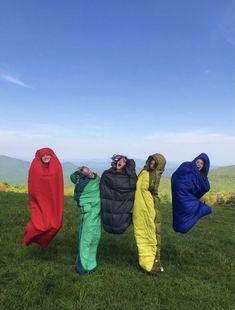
199, 266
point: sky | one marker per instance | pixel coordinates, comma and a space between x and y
93, 78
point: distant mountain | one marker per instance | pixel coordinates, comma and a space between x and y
15, 171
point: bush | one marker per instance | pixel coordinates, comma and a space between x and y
4, 186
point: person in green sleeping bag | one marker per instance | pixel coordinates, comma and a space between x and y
87, 196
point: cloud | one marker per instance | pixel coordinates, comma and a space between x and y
11, 79
74, 146
181, 146
191, 137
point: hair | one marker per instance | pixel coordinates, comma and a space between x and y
80, 169
147, 163
115, 158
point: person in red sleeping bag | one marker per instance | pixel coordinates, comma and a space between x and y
46, 198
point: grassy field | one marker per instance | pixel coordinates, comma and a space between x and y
199, 266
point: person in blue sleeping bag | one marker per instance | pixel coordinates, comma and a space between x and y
188, 184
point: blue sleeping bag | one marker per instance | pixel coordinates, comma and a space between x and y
188, 185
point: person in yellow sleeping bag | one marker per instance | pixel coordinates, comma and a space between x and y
146, 214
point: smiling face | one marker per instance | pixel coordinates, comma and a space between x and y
46, 158
199, 164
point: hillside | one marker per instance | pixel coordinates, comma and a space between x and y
227, 171
223, 178
15, 171
199, 266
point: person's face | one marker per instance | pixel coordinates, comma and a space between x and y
46, 158
121, 164
199, 164
87, 171
152, 164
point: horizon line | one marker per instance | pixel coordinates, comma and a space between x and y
96, 160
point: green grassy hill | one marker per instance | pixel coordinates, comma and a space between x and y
223, 178
227, 171
199, 266
15, 171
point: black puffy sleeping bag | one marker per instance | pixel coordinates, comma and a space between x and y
117, 198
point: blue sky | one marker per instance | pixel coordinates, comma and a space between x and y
93, 78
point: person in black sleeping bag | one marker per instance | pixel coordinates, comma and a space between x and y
117, 186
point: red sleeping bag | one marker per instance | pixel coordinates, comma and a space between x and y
46, 199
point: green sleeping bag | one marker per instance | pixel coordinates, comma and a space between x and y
87, 195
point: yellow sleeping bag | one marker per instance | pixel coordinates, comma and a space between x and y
146, 215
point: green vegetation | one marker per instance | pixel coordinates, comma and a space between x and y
222, 190
199, 266
6, 187
15, 171
223, 179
